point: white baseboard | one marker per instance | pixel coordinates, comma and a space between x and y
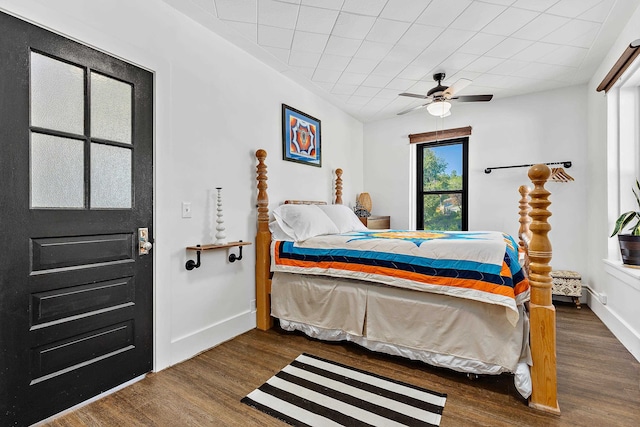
621, 329
186, 347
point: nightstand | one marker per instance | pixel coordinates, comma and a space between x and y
376, 222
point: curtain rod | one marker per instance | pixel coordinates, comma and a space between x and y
565, 164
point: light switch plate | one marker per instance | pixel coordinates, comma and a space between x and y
186, 209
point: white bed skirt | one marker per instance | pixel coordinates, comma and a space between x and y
466, 336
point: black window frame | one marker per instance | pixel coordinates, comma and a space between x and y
464, 141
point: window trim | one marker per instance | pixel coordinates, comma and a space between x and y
419, 214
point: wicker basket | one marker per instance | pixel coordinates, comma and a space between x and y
364, 200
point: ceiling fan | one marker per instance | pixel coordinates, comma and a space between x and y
438, 97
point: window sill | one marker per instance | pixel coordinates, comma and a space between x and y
627, 275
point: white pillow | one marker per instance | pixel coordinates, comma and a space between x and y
303, 221
277, 233
343, 218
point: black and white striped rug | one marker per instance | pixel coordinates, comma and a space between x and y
312, 391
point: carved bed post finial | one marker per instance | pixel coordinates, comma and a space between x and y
263, 198
542, 312
263, 243
338, 186
524, 233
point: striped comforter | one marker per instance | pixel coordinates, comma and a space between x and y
481, 266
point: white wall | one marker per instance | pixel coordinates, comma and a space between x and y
615, 289
214, 106
542, 127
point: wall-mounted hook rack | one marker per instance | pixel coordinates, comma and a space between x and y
191, 264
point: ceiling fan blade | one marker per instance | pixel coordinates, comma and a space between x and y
473, 98
413, 109
456, 87
414, 95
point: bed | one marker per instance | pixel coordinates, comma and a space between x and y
417, 294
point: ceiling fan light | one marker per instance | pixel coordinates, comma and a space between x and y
439, 108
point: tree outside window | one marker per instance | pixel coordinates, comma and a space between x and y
442, 185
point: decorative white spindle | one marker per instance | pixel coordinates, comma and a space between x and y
220, 236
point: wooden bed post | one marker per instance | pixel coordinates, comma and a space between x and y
544, 394
338, 186
263, 244
524, 233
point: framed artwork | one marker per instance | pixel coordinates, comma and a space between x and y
301, 139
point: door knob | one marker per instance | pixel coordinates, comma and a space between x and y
144, 245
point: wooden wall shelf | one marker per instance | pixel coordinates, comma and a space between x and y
191, 264
210, 247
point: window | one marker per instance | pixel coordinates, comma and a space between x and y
442, 185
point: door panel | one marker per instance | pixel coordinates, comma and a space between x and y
76, 132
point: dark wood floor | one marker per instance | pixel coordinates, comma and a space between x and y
599, 383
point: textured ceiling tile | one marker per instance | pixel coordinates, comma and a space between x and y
509, 47
571, 8
536, 51
481, 43
510, 67
358, 100
237, 10
316, 20
420, 35
540, 27
351, 78
362, 65
309, 42
387, 31
458, 61
502, 2
366, 91
377, 81
566, 55
342, 46
413, 72
326, 76
477, 15
343, 89
373, 50
571, 31
353, 26
333, 62
404, 53
441, 13
403, 10
304, 59
364, 7
389, 68
599, 12
277, 14
274, 37
537, 5
510, 21
327, 4
400, 85
483, 64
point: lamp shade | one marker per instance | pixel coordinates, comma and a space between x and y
439, 108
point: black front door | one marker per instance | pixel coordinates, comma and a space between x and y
76, 141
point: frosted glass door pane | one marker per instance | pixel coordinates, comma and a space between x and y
110, 109
57, 95
110, 176
57, 172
